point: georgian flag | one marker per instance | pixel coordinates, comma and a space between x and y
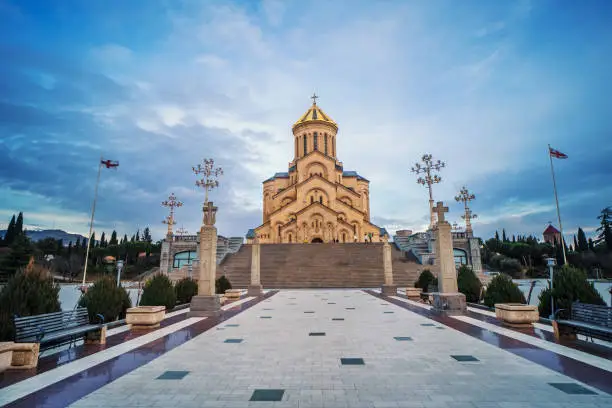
557, 154
109, 164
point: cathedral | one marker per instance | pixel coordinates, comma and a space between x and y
316, 200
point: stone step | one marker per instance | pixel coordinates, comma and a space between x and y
352, 265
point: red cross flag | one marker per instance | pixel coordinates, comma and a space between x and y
557, 154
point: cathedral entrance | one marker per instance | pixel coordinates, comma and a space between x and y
316, 241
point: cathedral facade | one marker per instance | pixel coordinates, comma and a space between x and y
316, 200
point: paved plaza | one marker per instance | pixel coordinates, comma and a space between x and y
334, 348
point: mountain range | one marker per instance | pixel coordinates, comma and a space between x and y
37, 235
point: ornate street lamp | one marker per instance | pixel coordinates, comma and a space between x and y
428, 169
210, 176
171, 203
465, 197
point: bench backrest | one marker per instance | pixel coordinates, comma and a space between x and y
594, 314
33, 326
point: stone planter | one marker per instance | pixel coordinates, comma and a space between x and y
233, 294
22, 355
145, 317
516, 314
414, 293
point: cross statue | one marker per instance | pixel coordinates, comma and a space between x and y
440, 209
314, 98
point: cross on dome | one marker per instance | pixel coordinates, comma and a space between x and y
440, 209
314, 98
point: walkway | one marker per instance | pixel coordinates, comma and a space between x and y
335, 348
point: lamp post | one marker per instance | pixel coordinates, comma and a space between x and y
428, 168
171, 203
551, 270
465, 197
210, 176
119, 268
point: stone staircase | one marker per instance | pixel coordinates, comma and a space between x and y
353, 265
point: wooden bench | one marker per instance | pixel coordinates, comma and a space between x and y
54, 329
590, 320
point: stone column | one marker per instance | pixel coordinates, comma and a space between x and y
388, 288
207, 303
165, 263
255, 288
448, 300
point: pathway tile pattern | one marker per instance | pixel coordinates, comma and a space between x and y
278, 358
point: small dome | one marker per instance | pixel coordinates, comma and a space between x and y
315, 114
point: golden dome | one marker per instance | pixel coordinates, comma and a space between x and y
316, 114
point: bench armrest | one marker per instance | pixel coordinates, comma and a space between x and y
101, 317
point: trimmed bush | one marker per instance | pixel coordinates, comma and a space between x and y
503, 290
105, 298
570, 285
425, 278
469, 284
185, 290
222, 284
433, 286
27, 293
159, 291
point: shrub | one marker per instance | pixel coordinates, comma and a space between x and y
158, 291
185, 290
222, 284
433, 286
469, 284
425, 278
27, 293
503, 290
570, 285
105, 298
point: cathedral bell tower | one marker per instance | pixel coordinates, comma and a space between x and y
314, 131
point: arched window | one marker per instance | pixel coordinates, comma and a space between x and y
279, 232
460, 257
325, 143
321, 199
183, 258
315, 140
289, 237
344, 237
311, 199
305, 145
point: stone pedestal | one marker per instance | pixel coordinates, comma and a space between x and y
449, 303
207, 303
255, 288
205, 306
517, 314
388, 288
414, 293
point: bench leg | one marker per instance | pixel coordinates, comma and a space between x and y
563, 332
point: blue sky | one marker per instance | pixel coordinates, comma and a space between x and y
159, 85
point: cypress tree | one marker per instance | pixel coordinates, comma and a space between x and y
78, 243
137, 235
576, 244
583, 244
496, 236
19, 224
93, 240
113, 239
103, 240
10, 232
591, 244
504, 238
146, 235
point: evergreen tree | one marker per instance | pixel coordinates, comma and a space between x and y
504, 238
21, 251
138, 235
10, 232
133, 238
60, 247
583, 244
591, 244
19, 224
146, 235
575, 244
125, 239
513, 239
605, 230
496, 236
571, 248
113, 239
103, 240
69, 251
92, 240
77, 246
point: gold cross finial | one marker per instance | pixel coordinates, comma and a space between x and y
440, 209
314, 98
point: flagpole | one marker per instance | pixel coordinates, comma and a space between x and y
552, 172
93, 210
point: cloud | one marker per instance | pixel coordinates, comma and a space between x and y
472, 85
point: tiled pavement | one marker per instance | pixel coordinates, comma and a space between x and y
408, 362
